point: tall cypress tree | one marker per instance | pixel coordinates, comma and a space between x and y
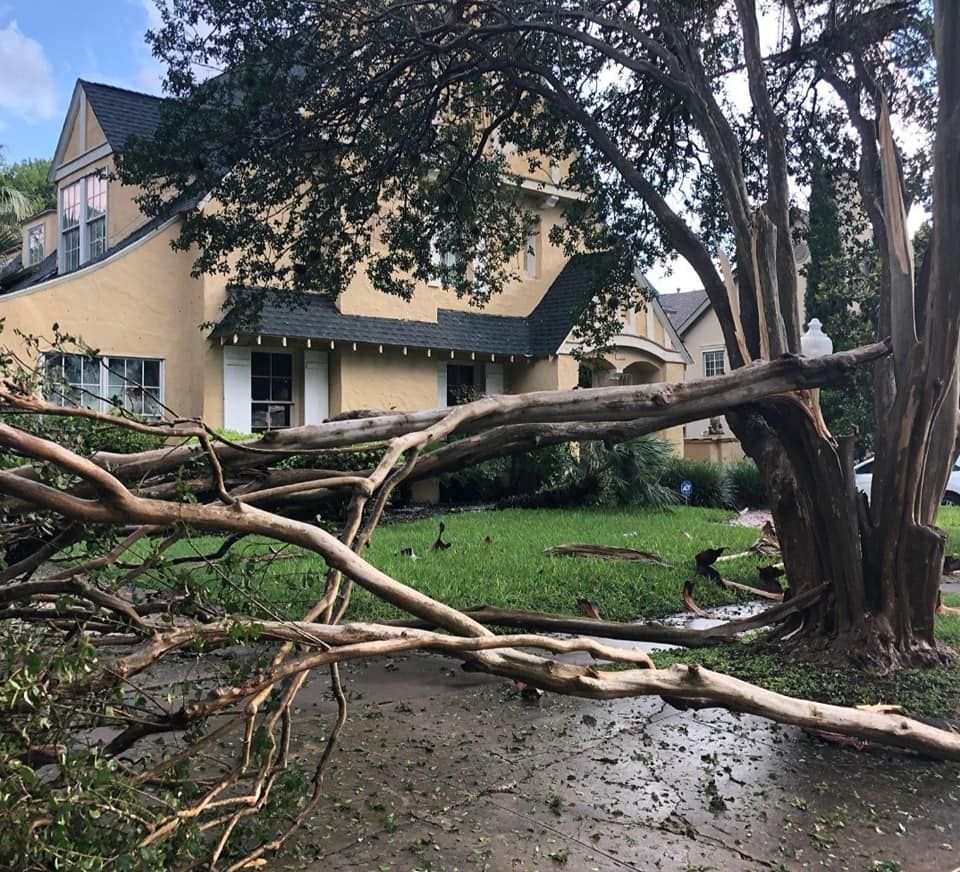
842, 286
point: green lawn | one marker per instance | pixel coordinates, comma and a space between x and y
510, 570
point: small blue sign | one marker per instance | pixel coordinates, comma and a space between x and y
686, 488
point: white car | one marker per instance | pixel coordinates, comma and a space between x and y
863, 472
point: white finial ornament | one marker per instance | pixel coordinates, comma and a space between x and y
814, 342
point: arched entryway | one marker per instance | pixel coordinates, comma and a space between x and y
597, 373
641, 373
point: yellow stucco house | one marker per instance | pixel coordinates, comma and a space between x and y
103, 272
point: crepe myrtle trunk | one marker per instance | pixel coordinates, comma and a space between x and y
884, 577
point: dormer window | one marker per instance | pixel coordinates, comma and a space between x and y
83, 221
70, 226
35, 245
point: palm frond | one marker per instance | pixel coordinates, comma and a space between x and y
14, 205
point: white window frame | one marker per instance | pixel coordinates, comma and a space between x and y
479, 265
445, 259
102, 399
531, 252
85, 221
294, 384
723, 362
32, 234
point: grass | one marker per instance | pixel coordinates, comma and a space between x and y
510, 570
497, 558
927, 692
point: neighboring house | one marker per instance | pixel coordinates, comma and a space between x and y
695, 322
698, 327
103, 272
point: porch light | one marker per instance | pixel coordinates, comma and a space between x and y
814, 342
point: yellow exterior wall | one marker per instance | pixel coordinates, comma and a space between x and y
366, 379
544, 374
214, 296
123, 214
95, 134
75, 143
704, 335
142, 303
717, 449
518, 298
79, 144
520, 165
674, 372
50, 231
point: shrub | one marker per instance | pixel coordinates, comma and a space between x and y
84, 436
627, 474
748, 488
712, 486
630, 473
506, 477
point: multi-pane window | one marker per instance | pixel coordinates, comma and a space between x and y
442, 261
74, 380
96, 216
70, 213
83, 221
134, 384
106, 383
35, 245
462, 384
271, 375
713, 363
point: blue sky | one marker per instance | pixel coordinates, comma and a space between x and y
46, 45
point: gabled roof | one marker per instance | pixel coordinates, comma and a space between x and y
122, 113
315, 316
685, 308
20, 278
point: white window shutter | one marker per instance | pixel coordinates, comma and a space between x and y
494, 379
442, 386
316, 387
236, 388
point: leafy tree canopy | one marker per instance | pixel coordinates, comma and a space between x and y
29, 176
367, 132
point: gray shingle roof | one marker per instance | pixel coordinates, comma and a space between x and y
123, 113
27, 277
315, 316
684, 308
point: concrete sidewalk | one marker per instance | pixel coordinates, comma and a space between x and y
445, 770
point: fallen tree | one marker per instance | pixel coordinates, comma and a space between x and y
674, 163
491, 616
95, 635
83, 635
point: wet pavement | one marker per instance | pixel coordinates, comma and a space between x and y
440, 769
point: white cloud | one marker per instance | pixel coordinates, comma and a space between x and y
150, 73
154, 18
26, 78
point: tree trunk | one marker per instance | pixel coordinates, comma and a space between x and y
879, 609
